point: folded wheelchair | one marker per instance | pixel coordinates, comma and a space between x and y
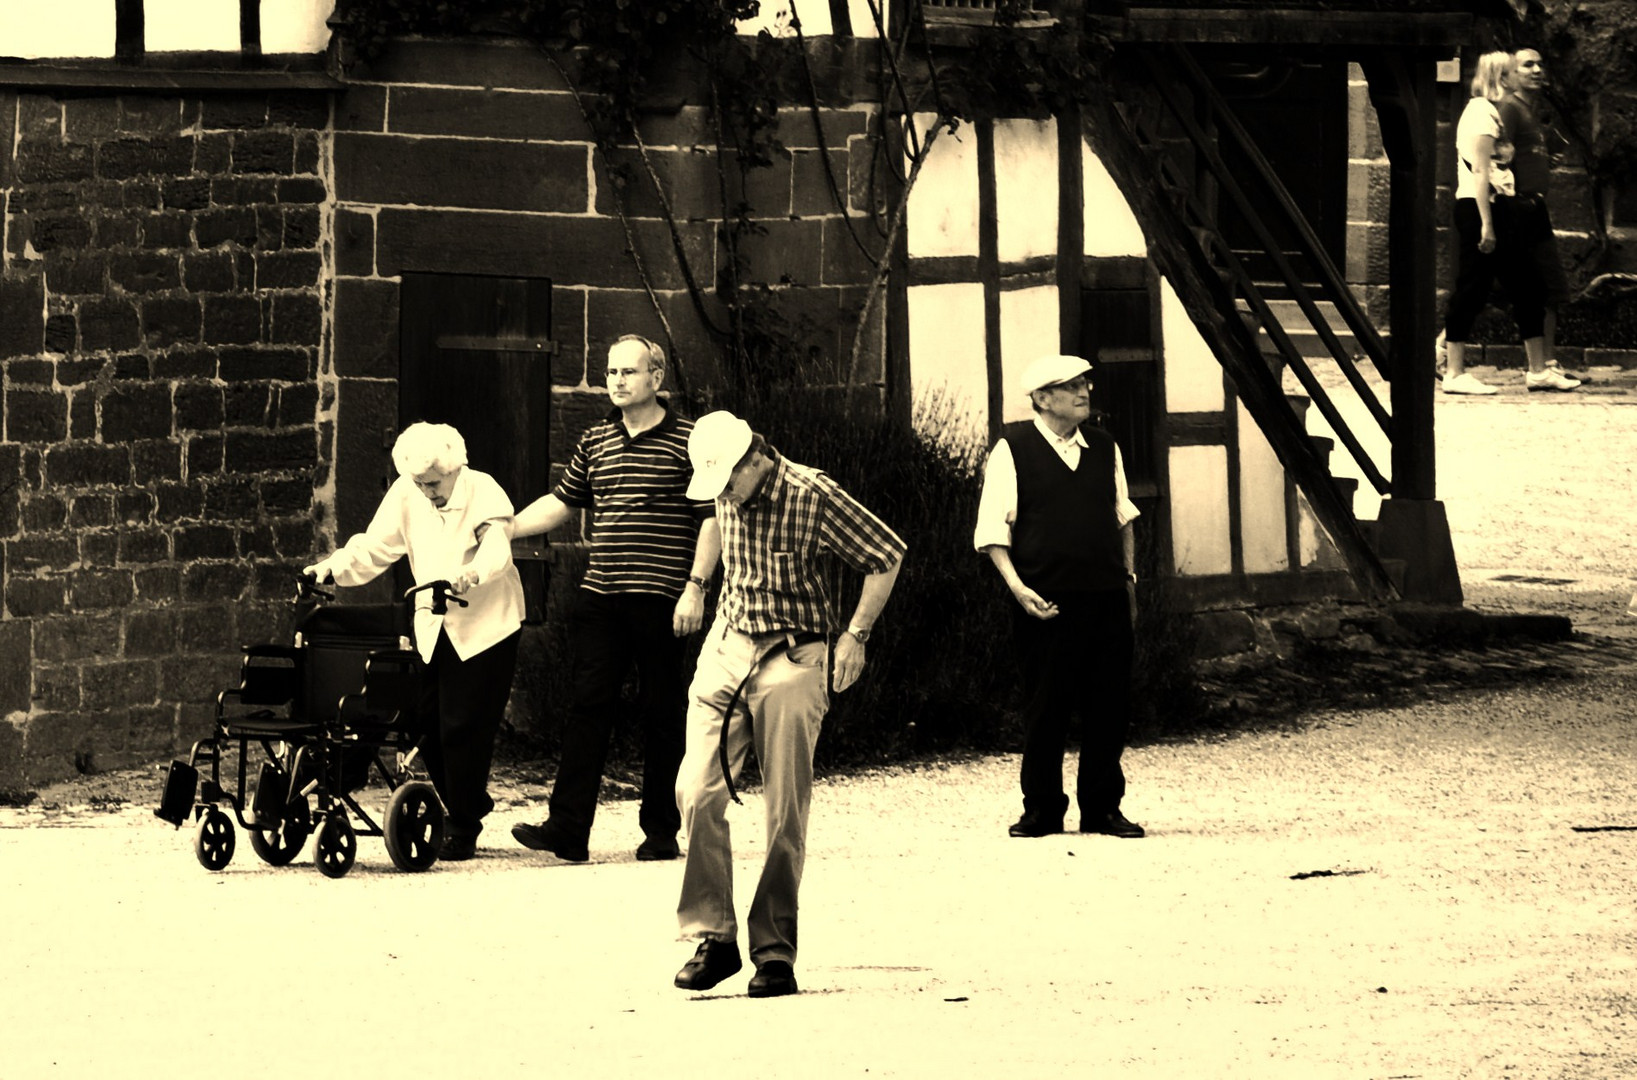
322, 712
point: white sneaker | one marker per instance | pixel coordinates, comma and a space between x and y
1553, 365
1467, 383
1549, 380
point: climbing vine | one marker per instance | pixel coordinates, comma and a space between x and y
614, 53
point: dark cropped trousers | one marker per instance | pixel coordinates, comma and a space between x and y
462, 705
1512, 263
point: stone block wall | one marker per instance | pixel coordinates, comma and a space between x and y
474, 158
162, 316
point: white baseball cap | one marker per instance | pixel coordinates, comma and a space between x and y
1051, 370
715, 445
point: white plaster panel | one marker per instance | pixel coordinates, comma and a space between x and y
1261, 501
295, 26
1193, 378
63, 28
189, 26
946, 356
774, 17
1026, 188
1110, 227
1028, 329
943, 206
1199, 510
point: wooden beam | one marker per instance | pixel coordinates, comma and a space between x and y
1403, 93
989, 274
1291, 25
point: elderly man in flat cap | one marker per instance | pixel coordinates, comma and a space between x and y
764, 677
1055, 519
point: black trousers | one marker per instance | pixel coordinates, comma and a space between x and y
1077, 662
1512, 262
462, 704
613, 631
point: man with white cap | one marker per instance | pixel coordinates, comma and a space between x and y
1055, 519
762, 679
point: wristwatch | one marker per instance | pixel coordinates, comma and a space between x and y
1131, 576
704, 586
862, 633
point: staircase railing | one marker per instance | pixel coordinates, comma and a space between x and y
1208, 280
1172, 70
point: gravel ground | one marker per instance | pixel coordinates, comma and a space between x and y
1439, 889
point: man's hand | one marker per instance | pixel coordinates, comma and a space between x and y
1034, 603
849, 663
1486, 239
690, 612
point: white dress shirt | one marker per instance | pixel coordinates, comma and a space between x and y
997, 506
441, 543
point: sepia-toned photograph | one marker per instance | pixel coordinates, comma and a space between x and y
1113, 518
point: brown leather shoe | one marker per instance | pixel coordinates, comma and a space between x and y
1035, 825
712, 962
773, 978
1112, 823
658, 849
546, 837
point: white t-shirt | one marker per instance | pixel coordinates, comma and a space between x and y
1479, 118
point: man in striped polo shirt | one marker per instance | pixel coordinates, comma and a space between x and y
762, 679
653, 551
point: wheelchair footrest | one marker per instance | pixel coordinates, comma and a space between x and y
177, 799
272, 792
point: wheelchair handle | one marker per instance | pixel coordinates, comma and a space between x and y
307, 588
441, 596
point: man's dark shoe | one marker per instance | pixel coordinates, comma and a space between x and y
711, 963
1035, 825
546, 837
457, 848
658, 849
1112, 823
775, 978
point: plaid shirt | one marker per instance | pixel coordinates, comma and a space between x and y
779, 550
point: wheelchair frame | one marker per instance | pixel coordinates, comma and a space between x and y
316, 746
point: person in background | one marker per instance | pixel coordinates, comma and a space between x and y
1489, 244
434, 514
653, 552
1055, 519
764, 679
1523, 118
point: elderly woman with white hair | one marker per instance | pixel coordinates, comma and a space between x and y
435, 513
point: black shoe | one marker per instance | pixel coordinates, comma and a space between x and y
658, 849
457, 848
1112, 823
1035, 825
775, 978
546, 837
711, 963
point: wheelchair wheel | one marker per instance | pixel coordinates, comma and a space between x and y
213, 840
335, 848
278, 845
414, 826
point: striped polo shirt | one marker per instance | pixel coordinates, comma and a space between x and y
643, 525
781, 550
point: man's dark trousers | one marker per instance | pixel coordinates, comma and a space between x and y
1079, 660
611, 631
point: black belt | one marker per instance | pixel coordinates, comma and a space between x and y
785, 643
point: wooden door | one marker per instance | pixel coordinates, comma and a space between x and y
475, 352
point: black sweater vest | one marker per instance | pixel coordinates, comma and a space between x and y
1066, 537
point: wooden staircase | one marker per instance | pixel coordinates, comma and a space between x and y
1302, 366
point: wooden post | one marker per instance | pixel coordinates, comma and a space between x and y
1412, 527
